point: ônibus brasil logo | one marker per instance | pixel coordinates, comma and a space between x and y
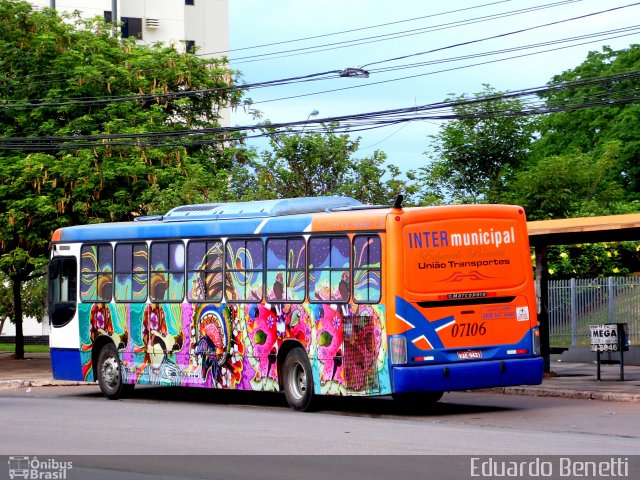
36, 469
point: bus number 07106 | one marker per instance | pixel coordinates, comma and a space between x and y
468, 329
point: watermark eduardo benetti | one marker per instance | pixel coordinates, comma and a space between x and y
38, 468
567, 467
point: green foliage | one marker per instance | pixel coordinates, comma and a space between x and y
570, 185
45, 59
473, 158
34, 295
315, 164
594, 260
590, 130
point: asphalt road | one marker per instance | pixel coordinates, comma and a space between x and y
358, 434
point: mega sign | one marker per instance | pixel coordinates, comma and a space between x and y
605, 338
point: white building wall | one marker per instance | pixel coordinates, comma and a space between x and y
30, 327
212, 36
169, 14
206, 22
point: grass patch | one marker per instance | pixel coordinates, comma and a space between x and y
10, 347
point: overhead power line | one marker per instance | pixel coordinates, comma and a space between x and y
592, 37
64, 75
352, 30
321, 76
434, 72
39, 103
393, 35
531, 105
501, 35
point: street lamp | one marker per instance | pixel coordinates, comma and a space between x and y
354, 73
313, 113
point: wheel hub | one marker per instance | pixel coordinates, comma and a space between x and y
298, 381
110, 372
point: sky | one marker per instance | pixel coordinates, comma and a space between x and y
262, 22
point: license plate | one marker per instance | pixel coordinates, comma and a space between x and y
469, 355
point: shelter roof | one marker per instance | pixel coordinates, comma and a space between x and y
569, 231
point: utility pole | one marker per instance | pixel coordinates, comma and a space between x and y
114, 16
52, 4
114, 11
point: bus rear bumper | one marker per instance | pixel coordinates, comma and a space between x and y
66, 364
467, 376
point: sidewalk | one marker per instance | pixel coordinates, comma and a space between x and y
579, 380
33, 371
568, 380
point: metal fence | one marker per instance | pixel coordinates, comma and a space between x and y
575, 304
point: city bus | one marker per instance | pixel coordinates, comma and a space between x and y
306, 296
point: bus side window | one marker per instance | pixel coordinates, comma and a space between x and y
63, 284
276, 269
167, 272
204, 271
96, 273
244, 272
131, 270
286, 264
367, 261
296, 269
329, 278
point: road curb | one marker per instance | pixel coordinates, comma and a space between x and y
524, 390
15, 384
564, 393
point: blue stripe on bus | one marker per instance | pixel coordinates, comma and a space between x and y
158, 229
66, 364
466, 376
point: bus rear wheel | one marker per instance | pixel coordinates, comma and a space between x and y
298, 380
109, 372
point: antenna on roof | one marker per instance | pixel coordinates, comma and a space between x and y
398, 203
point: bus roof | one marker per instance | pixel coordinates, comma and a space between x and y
267, 217
259, 208
289, 215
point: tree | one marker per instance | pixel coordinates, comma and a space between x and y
605, 259
474, 157
590, 130
69, 78
34, 295
570, 185
315, 164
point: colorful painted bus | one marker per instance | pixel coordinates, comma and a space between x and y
310, 296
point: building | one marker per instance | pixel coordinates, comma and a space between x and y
185, 24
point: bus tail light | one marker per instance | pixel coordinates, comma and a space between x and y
398, 350
536, 341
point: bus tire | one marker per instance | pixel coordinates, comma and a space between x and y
109, 373
298, 380
417, 400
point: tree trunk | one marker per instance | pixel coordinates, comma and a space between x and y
17, 303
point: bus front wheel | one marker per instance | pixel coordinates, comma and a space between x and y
109, 372
298, 380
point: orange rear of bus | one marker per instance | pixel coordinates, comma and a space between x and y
461, 299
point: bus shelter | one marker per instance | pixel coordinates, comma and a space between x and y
570, 231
